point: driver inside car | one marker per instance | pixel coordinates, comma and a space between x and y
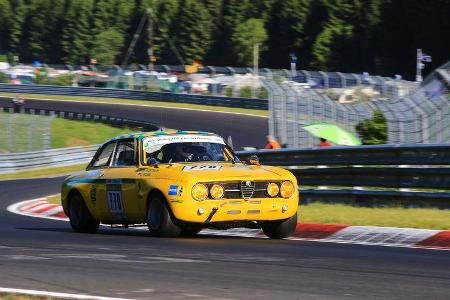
183, 152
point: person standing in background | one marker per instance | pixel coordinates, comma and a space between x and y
18, 102
272, 143
324, 143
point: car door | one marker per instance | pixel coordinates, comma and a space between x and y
121, 183
95, 177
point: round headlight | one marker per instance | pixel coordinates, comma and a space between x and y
199, 192
216, 191
273, 189
287, 189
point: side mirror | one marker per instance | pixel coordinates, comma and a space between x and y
153, 162
254, 160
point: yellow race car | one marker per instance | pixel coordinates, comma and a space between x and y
179, 182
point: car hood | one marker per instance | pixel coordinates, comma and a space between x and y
227, 171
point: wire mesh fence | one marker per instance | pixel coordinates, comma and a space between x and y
414, 114
24, 132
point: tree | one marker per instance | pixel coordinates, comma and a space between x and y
44, 27
163, 21
231, 16
285, 29
248, 34
373, 131
5, 19
107, 47
192, 31
17, 22
75, 36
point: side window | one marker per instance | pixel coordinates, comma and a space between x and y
125, 154
104, 157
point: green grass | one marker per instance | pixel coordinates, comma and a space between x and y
70, 133
257, 112
429, 218
44, 172
54, 199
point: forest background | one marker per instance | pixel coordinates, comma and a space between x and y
375, 36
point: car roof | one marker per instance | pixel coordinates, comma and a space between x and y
162, 131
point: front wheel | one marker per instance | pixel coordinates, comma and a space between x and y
281, 228
191, 230
80, 218
159, 219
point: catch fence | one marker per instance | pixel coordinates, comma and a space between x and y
421, 115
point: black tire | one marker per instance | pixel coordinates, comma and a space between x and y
191, 230
160, 221
280, 229
80, 217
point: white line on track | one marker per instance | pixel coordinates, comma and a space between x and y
55, 294
151, 105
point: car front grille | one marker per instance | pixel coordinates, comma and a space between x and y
240, 190
247, 189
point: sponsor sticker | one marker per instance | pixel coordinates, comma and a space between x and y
93, 195
151, 142
201, 168
176, 201
173, 190
94, 173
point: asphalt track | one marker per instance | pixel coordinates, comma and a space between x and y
43, 254
245, 130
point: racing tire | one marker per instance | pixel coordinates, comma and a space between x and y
80, 217
190, 230
280, 229
160, 221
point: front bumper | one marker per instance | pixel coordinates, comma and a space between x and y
255, 209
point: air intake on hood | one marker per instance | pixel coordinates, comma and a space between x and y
247, 189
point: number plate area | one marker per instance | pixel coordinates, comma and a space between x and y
114, 198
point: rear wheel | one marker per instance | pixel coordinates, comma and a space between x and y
281, 228
80, 218
160, 221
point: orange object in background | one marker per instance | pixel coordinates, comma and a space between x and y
272, 143
324, 143
194, 67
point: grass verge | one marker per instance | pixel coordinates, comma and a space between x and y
54, 199
256, 112
428, 218
43, 172
70, 133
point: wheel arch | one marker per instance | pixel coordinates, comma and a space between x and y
75, 191
154, 192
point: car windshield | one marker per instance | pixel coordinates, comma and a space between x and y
186, 148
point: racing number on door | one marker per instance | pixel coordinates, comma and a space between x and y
115, 201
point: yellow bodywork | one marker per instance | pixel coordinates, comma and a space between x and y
119, 195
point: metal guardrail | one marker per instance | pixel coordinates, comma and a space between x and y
136, 95
15, 162
398, 167
405, 154
116, 121
365, 172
